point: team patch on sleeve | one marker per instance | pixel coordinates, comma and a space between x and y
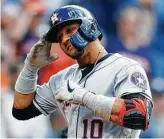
139, 80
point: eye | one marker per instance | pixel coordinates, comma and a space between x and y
70, 30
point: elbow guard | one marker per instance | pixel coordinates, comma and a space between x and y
135, 113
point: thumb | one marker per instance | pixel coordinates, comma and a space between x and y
53, 58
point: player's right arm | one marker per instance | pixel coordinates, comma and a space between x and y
26, 84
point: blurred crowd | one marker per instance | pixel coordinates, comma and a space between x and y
134, 28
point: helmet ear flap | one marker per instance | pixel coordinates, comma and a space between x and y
90, 30
78, 41
87, 32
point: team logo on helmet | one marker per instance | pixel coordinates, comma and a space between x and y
54, 18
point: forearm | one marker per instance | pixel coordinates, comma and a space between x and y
99, 104
131, 113
109, 109
26, 83
25, 86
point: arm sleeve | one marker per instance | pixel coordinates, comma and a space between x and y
132, 79
44, 99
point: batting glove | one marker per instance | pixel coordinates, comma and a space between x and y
70, 91
39, 54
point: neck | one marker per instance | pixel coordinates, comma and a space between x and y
92, 53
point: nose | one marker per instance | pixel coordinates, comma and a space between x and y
65, 40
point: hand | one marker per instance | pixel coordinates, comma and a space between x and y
39, 54
70, 91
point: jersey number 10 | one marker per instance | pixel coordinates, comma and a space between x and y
95, 130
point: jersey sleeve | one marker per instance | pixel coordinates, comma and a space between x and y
44, 99
132, 79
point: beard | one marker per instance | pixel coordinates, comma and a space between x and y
76, 55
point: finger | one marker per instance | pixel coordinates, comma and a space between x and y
48, 45
53, 58
60, 101
44, 41
37, 48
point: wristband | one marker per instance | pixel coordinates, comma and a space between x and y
27, 79
99, 104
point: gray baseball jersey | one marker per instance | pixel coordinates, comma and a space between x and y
114, 76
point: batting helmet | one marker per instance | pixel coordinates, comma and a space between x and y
88, 31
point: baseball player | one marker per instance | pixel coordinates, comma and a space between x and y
102, 96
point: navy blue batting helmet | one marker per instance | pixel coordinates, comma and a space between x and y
88, 31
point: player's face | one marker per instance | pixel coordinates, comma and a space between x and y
64, 35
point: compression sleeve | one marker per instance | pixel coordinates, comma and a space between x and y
135, 112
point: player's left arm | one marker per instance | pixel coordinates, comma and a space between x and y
130, 108
131, 111
133, 107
